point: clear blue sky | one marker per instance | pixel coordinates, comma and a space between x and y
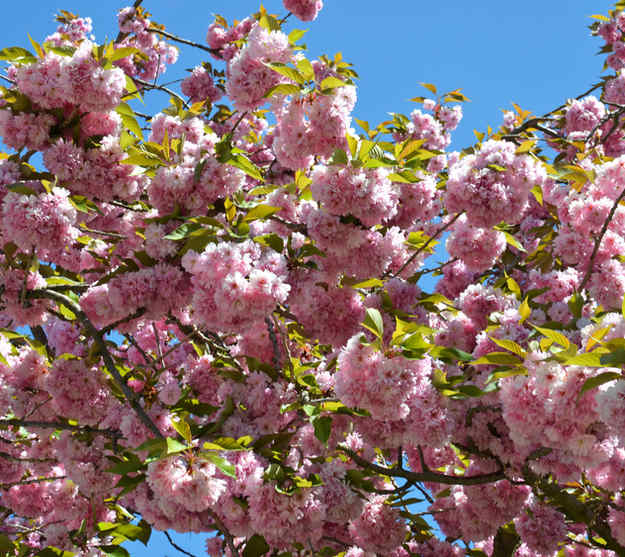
536, 53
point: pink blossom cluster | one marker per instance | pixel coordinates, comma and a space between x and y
365, 378
196, 179
249, 78
71, 31
155, 289
44, 222
313, 126
542, 528
25, 129
477, 248
235, 284
306, 10
199, 86
367, 194
57, 81
493, 184
155, 54
96, 173
223, 40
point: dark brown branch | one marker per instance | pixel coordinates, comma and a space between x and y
598, 240
224, 531
275, 358
98, 338
148, 85
180, 40
426, 245
8, 456
175, 546
426, 475
60, 425
32, 481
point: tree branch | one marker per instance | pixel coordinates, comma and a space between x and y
96, 335
598, 240
180, 40
176, 546
148, 85
425, 246
426, 475
60, 425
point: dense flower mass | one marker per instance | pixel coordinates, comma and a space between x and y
213, 318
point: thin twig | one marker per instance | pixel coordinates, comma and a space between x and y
149, 85
181, 40
98, 338
224, 531
8, 456
598, 240
275, 358
158, 345
32, 481
175, 546
426, 475
60, 425
425, 246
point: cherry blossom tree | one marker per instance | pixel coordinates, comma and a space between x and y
212, 318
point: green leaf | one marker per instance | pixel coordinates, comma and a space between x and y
369, 283
509, 345
554, 336
282, 89
614, 359
17, 55
60, 50
576, 304
429, 87
256, 546
260, 212
526, 146
339, 157
228, 444
373, 322
305, 67
130, 123
323, 428
498, 358
183, 231
271, 240
331, 82
6, 545
296, 35
524, 310
403, 177
114, 550
588, 359
22, 189
172, 446
226, 467
146, 532
286, 71
182, 427
597, 380
123, 52
512, 241
246, 165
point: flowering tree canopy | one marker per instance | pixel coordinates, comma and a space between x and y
212, 318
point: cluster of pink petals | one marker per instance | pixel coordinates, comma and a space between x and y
306, 10
248, 76
57, 81
493, 184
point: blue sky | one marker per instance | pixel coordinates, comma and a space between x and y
536, 53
